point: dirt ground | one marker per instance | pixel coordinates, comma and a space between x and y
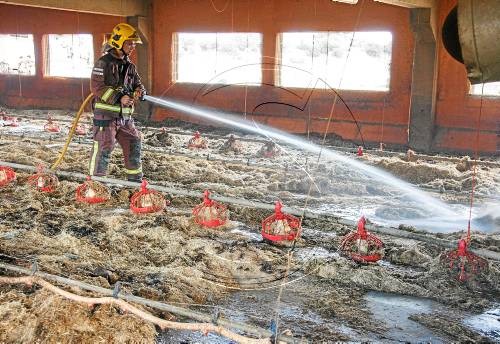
167, 257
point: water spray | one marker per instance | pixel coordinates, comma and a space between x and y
431, 204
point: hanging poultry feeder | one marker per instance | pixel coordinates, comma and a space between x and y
197, 141
92, 192
10, 121
210, 213
232, 145
411, 156
7, 175
361, 245
269, 150
147, 201
280, 227
81, 130
51, 126
43, 181
360, 151
467, 263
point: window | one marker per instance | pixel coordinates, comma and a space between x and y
307, 56
17, 54
490, 89
70, 55
218, 58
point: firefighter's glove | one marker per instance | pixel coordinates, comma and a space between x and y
127, 101
140, 94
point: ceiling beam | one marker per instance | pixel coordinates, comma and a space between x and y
432, 4
411, 3
353, 2
122, 8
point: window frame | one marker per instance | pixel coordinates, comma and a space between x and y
46, 56
279, 54
175, 60
34, 57
485, 95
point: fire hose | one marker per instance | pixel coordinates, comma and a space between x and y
74, 126
71, 133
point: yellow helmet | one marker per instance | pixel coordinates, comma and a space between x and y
121, 33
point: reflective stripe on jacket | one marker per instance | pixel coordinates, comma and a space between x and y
113, 77
115, 110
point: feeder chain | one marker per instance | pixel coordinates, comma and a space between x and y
144, 186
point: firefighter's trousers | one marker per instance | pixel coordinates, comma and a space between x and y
106, 134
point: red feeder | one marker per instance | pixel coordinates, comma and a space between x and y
81, 130
360, 151
42, 181
197, 141
467, 262
210, 213
92, 192
147, 201
280, 227
269, 150
51, 126
361, 245
7, 175
232, 145
10, 121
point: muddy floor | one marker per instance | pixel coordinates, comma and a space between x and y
312, 290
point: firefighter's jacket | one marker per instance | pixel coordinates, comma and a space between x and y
112, 78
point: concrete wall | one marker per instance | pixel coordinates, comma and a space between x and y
271, 17
381, 116
457, 112
39, 91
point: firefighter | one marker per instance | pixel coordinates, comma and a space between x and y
116, 84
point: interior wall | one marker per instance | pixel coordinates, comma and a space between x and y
457, 112
383, 117
270, 17
41, 91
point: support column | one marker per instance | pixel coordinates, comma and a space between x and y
423, 86
144, 60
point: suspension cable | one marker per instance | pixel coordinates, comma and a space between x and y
474, 168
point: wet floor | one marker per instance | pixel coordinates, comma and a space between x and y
394, 311
390, 310
487, 324
261, 308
